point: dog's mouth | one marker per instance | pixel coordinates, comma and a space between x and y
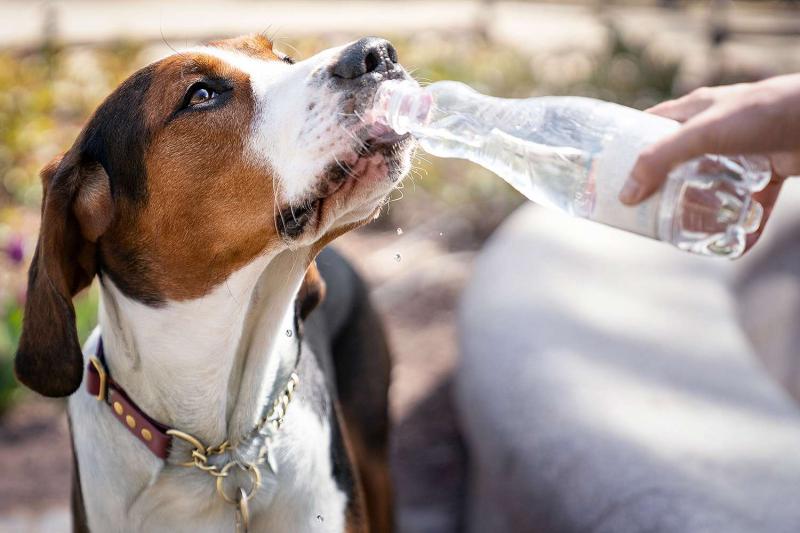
356, 178
375, 162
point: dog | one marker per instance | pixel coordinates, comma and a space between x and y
200, 193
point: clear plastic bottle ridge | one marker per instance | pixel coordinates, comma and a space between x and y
574, 154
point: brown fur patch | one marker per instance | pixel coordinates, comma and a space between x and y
208, 211
356, 519
255, 45
93, 206
373, 472
312, 291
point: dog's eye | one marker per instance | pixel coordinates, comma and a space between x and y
200, 94
287, 59
204, 95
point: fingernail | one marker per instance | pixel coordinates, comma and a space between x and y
631, 192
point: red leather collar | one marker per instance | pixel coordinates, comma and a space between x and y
102, 386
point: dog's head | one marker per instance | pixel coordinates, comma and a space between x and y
195, 166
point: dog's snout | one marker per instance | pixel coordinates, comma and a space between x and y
366, 55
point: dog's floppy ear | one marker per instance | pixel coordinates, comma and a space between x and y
312, 291
76, 210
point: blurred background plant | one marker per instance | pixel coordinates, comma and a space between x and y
45, 95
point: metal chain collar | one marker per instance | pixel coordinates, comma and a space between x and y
272, 420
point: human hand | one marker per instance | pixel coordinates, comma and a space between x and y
748, 118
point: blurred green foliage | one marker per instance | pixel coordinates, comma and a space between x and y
626, 73
10, 329
46, 95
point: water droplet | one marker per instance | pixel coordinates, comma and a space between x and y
399, 231
289, 333
398, 257
319, 517
441, 233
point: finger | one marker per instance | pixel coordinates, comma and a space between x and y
767, 198
683, 108
697, 101
713, 131
656, 161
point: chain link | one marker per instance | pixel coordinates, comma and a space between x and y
201, 453
242, 518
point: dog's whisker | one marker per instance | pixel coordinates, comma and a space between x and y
282, 42
345, 168
164, 39
363, 121
361, 144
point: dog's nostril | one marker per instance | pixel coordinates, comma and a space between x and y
364, 56
372, 61
391, 52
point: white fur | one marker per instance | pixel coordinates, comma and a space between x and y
176, 363
294, 143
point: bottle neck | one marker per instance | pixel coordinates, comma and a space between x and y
404, 106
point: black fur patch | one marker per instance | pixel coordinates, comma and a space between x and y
117, 137
292, 221
342, 469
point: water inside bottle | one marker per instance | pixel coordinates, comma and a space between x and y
574, 154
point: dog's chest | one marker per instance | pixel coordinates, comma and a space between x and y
304, 495
123, 480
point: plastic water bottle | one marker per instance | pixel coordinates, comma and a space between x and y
574, 154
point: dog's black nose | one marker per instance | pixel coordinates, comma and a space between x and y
366, 55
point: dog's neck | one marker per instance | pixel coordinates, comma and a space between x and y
208, 366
